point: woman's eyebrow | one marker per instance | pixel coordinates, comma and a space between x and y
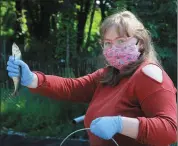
113, 39
107, 39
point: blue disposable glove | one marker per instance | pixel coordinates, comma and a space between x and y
13, 68
106, 127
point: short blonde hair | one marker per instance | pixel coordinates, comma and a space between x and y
131, 26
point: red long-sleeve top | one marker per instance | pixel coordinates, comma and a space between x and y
139, 96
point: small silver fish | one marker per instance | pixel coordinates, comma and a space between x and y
17, 55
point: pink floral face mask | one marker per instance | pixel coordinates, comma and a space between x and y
122, 52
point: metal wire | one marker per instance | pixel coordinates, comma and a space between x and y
82, 130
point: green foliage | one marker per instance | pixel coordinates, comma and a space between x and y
95, 25
65, 28
7, 18
37, 115
24, 29
117, 6
94, 46
23, 22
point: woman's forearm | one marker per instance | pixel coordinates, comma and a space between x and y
74, 89
130, 127
34, 83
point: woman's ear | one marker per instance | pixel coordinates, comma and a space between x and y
140, 45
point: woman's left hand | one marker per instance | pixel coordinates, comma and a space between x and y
106, 127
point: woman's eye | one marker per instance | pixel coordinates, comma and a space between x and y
120, 41
106, 44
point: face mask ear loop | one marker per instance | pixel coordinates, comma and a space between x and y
81, 130
137, 41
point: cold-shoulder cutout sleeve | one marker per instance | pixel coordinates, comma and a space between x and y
157, 98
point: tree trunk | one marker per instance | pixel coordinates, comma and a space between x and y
67, 53
102, 7
82, 18
91, 22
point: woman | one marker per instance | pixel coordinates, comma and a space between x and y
132, 100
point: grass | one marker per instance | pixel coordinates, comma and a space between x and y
38, 116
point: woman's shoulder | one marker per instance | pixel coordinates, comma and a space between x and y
98, 73
153, 73
151, 70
